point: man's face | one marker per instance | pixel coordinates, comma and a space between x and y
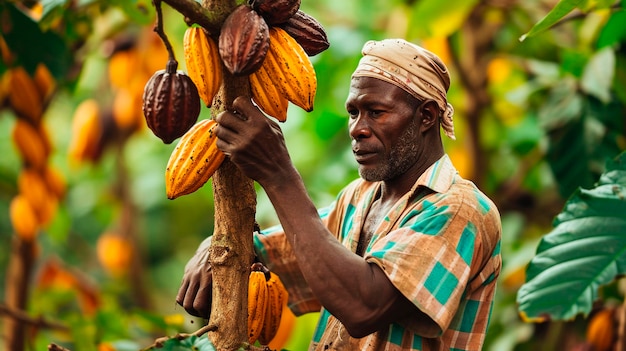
384, 127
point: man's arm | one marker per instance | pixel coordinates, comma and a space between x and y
356, 292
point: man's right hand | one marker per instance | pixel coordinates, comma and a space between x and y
195, 292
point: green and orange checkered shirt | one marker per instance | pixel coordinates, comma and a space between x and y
439, 246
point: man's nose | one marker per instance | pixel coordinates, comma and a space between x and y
359, 128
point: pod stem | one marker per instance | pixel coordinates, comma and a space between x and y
172, 64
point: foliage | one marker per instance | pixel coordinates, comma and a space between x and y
584, 251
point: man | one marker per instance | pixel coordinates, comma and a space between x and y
408, 255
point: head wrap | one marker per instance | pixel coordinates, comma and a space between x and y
412, 68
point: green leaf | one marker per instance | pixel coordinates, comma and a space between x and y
32, 46
585, 250
192, 343
559, 11
614, 31
51, 5
598, 75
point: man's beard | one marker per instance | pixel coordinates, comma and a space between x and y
401, 157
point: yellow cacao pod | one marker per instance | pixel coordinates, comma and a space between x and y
55, 181
276, 301
203, 62
45, 82
114, 253
257, 304
32, 143
33, 186
122, 65
291, 69
23, 218
87, 131
266, 95
24, 97
193, 161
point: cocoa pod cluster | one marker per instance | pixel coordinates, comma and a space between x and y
40, 185
270, 42
267, 297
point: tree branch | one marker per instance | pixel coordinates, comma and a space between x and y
195, 13
25, 318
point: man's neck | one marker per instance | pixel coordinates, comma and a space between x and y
394, 189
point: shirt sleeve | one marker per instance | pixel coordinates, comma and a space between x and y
274, 250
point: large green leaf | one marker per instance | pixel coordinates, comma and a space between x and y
561, 9
31, 45
585, 250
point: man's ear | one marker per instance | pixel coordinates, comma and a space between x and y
428, 112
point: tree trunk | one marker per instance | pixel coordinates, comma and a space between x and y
16, 291
231, 253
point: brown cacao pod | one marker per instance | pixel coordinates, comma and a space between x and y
308, 32
276, 11
171, 103
243, 41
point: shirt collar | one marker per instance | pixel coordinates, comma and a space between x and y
438, 177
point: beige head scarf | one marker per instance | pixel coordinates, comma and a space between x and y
412, 68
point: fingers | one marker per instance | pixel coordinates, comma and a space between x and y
180, 297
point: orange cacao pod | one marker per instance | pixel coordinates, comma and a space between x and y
601, 330
276, 11
171, 104
244, 41
308, 32
23, 218
193, 161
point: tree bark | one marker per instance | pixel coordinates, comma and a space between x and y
17, 280
231, 253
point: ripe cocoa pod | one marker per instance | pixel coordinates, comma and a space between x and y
266, 94
23, 218
243, 41
31, 143
203, 63
277, 300
276, 11
171, 104
308, 32
291, 69
601, 330
87, 132
193, 161
24, 96
257, 304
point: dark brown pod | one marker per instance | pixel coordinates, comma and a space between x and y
244, 41
171, 103
308, 32
276, 11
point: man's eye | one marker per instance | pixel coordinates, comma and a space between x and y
353, 113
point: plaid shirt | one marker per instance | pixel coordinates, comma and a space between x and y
439, 246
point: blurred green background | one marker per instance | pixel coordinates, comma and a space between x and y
535, 120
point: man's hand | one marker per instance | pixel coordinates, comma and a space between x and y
253, 142
195, 292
